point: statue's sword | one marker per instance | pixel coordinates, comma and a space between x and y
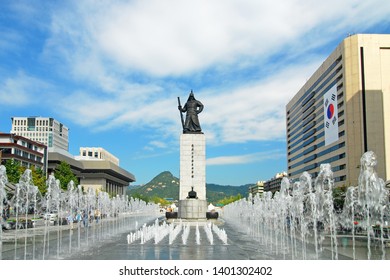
181, 114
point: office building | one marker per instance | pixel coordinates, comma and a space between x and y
23, 150
273, 185
342, 111
48, 131
257, 189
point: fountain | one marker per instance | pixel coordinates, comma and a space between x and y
221, 233
367, 205
174, 232
59, 232
3, 197
197, 235
24, 201
209, 233
300, 221
159, 230
186, 233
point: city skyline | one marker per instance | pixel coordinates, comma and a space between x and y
111, 72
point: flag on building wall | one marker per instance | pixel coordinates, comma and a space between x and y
331, 116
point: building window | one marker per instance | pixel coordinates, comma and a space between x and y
7, 151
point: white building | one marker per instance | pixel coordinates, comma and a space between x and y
47, 131
257, 189
96, 153
96, 174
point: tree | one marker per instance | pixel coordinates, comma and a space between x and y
230, 199
14, 170
140, 197
64, 173
157, 200
39, 179
339, 197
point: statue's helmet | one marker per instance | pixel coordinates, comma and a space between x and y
191, 97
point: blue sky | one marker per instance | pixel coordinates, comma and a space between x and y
112, 71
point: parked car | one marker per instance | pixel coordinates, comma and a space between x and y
50, 216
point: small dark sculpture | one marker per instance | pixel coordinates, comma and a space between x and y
193, 107
212, 215
171, 215
192, 194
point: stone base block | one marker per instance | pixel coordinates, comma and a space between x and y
192, 209
171, 215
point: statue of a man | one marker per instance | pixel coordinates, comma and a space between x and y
193, 107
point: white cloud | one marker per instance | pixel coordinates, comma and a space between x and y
254, 111
247, 158
156, 113
180, 37
89, 109
187, 36
110, 109
21, 89
131, 59
113, 64
152, 145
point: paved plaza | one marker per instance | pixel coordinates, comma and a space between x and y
108, 241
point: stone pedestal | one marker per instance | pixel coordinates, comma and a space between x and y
192, 209
192, 175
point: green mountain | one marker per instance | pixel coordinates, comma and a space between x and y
165, 185
215, 192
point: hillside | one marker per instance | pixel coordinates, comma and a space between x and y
216, 192
165, 185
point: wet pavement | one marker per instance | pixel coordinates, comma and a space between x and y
108, 241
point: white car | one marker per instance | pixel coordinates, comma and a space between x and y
50, 216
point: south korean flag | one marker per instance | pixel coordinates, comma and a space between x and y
331, 116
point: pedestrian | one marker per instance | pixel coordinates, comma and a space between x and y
78, 217
85, 219
97, 215
70, 220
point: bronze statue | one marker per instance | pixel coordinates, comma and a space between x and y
193, 107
